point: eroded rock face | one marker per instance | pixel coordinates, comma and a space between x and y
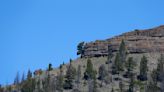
138, 41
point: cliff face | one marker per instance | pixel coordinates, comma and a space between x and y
138, 41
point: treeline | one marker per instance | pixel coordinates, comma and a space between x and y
145, 80
118, 68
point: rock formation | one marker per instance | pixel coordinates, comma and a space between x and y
138, 41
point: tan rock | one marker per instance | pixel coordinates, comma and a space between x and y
138, 41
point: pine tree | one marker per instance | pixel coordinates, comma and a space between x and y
80, 48
131, 84
117, 66
102, 73
120, 59
17, 79
23, 77
50, 67
122, 52
78, 76
29, 75
109, 58
17, 82
110, 54
29, 84
143, 69
89, 72
130, 65
92, 83
70, 76
160, 67
60, 80
78, 79
154, 77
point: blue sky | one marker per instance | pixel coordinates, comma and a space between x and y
34, 33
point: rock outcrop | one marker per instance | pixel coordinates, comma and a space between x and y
138, 41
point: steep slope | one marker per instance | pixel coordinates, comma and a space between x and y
138, 43
97, 62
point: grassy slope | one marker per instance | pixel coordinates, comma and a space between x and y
97, 61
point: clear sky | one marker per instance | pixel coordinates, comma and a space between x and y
34, 33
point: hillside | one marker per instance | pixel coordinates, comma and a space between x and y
138, 43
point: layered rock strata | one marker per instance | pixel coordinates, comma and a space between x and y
138, 41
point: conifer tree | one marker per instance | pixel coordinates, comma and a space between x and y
143, 69
131, 84
50, 67
120, 59
130, 65
78, 77
160, 67
103, 73
89, 72
110, 54
29, 84
70, 76
60, 80
80, 48
17, 79
122, 52
92, 84
23, 77
17, 82
117, 66
29, 75
154, 77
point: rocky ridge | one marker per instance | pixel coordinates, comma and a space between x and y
137, 41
